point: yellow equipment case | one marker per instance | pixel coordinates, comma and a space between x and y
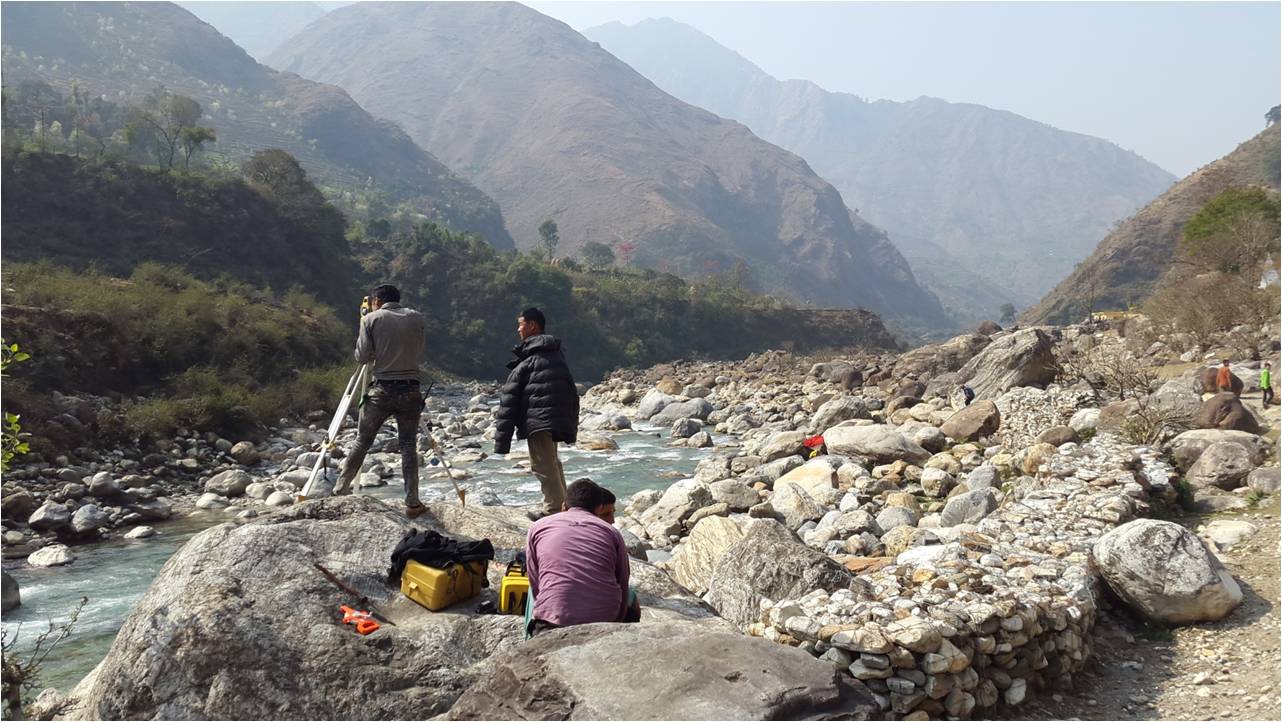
437, 589
514, 590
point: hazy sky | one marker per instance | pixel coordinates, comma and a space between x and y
1179, 83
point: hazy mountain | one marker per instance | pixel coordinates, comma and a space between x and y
554, 127
125, 50
258, 26
1128, 263
985, 204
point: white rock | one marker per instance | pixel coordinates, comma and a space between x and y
53, 555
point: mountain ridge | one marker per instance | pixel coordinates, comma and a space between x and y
554, 127
1130, 261
1009, 200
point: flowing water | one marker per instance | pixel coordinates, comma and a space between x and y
113, 575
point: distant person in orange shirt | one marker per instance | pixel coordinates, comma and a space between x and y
1224, 379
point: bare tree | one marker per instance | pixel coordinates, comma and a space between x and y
20, 673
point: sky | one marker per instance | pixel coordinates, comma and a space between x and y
1179, 83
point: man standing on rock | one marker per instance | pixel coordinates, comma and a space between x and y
1224, 377
540, 403
393, 339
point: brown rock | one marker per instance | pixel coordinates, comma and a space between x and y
1225, 411
973, 422
1057, 436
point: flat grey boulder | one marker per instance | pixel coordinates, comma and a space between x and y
684, 428
837, 410
879, 442
734, 494
769, 561
968, 507
1166, 573
238, 600
1225, 411
653, 402
691, 409
661, 672
782, 445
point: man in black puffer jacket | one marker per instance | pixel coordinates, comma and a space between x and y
541, 404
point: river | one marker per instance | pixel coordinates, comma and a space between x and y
114, 574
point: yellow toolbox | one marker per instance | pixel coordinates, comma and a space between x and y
437, 589
513, 591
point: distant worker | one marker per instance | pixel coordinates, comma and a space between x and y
1224, 377
1266, 383
393, 339
540, 403
968, 394
578, 564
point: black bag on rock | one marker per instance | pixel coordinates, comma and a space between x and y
435, 550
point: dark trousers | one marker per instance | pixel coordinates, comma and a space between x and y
383, 400
1268, 395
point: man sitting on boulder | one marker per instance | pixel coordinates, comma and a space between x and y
577, 563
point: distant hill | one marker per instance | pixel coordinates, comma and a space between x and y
1129, 262
257, 26
553, 127
988, 206
125, 50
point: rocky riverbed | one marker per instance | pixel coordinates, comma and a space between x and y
941, 560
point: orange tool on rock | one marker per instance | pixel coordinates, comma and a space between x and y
364, 621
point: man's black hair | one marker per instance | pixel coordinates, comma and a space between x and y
386, 293
583, 494
607, 497
534, 315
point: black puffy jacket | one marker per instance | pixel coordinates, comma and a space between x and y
539, 395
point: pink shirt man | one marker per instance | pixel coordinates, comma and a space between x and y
578, 569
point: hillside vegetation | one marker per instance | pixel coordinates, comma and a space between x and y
122, 52
225, 300
276, 231
554, 127
1126, 266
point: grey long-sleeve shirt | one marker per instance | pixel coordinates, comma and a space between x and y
395, 339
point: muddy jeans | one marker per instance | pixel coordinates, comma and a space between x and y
546, 465
383, 400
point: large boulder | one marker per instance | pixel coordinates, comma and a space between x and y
945, 357
883, 444
1188, 446
838, 410
51, 516
973, 422
18, 505
1225, 411
1224, 464
736, 495
653, 402
741, 578
817, 476
600, 672
238, 600
245, 453
675, 506
1165, 572
795, 505
691, 409
697, 555
1022, 358
230, 483
12, 598
684, 428
54, 555
782, 445
88, 519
